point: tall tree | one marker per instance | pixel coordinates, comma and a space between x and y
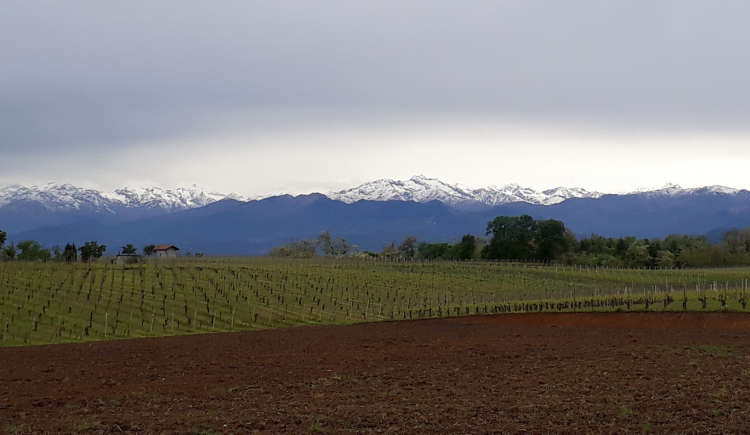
467, 247
91, 251
523, 238
549, 239
3, 238
129, 249
70, 253
512, 238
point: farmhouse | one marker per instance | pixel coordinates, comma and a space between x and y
166, 251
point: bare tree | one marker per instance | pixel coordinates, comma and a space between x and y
408, 248
326, 243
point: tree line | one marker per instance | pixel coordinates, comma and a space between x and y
523, 238
520, 238
31, 250
325, 245
510, 238
674, 251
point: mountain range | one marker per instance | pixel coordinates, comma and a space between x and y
66, 197
422, 189
370, 215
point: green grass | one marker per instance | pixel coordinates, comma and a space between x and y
56, 302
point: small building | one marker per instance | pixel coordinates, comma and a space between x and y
127, 259
166, 251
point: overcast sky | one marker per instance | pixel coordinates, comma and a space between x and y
298, 96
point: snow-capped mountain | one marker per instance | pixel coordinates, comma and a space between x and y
55, 196
671, 189
56, 214
424, 189
421, 189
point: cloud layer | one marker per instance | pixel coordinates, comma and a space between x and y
264, 96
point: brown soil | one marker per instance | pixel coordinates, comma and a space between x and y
535, 373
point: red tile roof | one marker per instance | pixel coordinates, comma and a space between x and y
165, 247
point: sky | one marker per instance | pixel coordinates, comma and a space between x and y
265, 97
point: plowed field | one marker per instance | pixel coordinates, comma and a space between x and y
535, 373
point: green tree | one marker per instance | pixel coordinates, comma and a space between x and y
466, 248
550, 239
129, 249
32, 250
91, 251
637, 255
70, 253
3, 238
623, 244
512, 238
9, 252
431, 251
737, 240
666, 259
148, 250
523, 238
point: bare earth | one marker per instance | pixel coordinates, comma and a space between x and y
533, 373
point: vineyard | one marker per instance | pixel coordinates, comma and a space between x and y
56, 302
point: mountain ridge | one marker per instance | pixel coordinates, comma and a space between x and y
421, 189
424, 189
230, 227
228, 224
56, 196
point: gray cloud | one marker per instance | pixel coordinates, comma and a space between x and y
92, 75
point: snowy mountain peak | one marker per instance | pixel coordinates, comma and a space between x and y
419, 188
671, 189
423, 189
56, 196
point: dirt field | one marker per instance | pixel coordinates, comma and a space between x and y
533, 373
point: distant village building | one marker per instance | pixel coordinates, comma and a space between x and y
166, 251
127, 259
